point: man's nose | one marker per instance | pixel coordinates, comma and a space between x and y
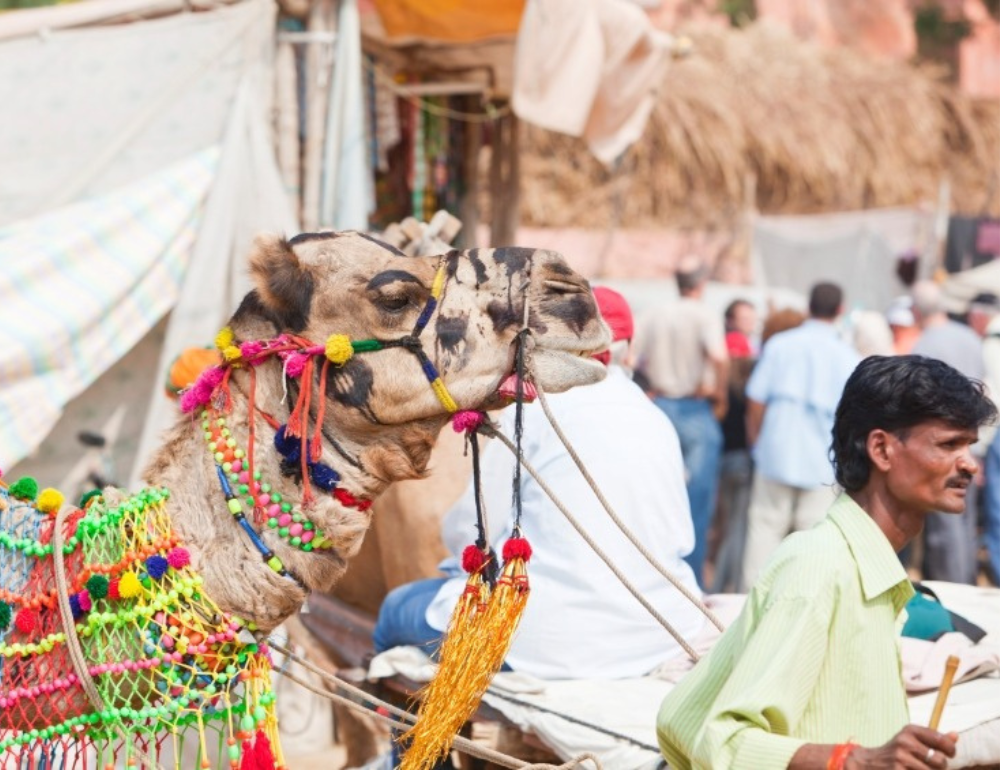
967, 462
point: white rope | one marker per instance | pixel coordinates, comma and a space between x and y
405, 719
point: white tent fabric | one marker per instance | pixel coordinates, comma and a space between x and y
145, 183
856, 249
589, 68
82, 285
348, 194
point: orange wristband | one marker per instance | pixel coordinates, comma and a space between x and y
839, 755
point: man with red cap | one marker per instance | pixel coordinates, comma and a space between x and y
580, 621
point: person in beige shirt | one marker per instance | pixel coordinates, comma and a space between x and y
681, 354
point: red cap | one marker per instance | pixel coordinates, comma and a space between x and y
615, 312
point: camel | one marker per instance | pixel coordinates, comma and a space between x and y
385, 347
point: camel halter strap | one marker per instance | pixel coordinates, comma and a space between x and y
340, 348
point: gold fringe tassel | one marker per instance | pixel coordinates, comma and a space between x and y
479, 636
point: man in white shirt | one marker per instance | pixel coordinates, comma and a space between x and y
580, 622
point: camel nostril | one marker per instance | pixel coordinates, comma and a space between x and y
563, 286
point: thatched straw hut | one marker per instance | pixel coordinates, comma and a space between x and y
757, 117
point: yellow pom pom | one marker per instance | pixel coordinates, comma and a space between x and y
224, 338
129, 586
339, 349
231, 353
49, 500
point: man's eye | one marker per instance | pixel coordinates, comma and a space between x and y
394, 304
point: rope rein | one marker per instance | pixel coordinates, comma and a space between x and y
405, 719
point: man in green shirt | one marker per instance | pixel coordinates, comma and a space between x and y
809, 676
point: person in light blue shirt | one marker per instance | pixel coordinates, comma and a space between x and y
792, 396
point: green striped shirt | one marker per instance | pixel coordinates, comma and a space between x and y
813, 657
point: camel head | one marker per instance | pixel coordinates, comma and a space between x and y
317, 285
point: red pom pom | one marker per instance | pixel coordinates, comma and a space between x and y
516, 548
473, 559
25, 621
179, 558
113, 589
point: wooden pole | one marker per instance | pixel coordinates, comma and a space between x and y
950, 666
319, 61
505, 181
468, 207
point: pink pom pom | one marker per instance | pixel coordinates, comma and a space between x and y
179, 558
516, 548
212, 377
508, 389
190, 400
473, 559
250, 350
295, 363
85, 603
466, 420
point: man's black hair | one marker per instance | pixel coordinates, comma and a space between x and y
825, 300
732, 306
896, 393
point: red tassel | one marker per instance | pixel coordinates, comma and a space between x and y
473, 559
248, 757
516, 547
263, 756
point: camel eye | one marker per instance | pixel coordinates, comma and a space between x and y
393, 303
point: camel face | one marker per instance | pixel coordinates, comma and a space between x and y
316, 285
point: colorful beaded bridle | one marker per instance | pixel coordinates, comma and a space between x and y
240, 481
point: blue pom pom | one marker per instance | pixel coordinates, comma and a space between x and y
323, 476
290, 447
156, 566
74, 605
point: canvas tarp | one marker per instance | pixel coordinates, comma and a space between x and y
857, 250
140, 168
961, 287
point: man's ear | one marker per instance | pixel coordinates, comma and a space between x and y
879, 449
284, 286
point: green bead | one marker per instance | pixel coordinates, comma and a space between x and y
243, 489
307, 547
276, 497
259, 714
256, 475
275, 563
251, 502
296, 541
247, 723
234, 752
272, 523
265, 487
283, 532
308, 526
297, 517
286, 507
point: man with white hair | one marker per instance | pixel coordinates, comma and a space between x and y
949, 541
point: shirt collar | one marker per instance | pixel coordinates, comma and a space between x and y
878, 566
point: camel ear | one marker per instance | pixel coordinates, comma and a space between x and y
285, 288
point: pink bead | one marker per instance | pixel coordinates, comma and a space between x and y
237, 466
273, 510
255, 487
118, 668
159, 617
245, 477
166, 641
295, 530
177, 657
264, 499
154, 662
210, 639
308, 536
284, 519
72, 678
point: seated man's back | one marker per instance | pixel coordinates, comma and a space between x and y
580, 621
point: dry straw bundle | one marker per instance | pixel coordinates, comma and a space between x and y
816, 130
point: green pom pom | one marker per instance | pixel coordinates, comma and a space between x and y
97, 586
88, 496
25, 488
5, 615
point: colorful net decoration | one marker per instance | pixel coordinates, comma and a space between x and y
167, 664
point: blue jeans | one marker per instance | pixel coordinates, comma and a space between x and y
701, 446
991, 499
402, 618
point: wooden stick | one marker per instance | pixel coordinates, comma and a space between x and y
949, 674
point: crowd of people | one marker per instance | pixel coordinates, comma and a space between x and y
764, 469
